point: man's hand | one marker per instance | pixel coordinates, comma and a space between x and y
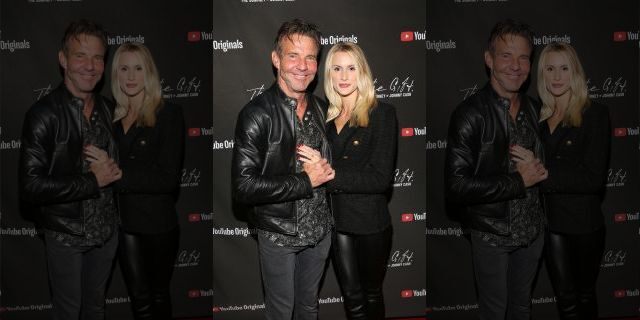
106, 172
530, 168
104, 168
317, 168
319, 172
532, 172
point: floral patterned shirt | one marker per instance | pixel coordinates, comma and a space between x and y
526, 217
314, 217
100, 214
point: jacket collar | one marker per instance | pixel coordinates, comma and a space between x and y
69, 99
496, 100
503, 104
286, 100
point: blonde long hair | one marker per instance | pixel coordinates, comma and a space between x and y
366, 92
152, 89
579, 97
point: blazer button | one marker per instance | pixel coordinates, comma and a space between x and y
569, 142
345, 157
132, 157
356, 142
143, 142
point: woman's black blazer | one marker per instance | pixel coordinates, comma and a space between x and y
152, 168
364, 174
578, 167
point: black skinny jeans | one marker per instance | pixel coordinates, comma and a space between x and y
573, 263
147, 263
360, 263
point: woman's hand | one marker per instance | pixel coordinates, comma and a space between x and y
521, 155
94, 154
308, 154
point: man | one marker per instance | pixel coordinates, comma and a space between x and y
497, 191
75, 208
286, 199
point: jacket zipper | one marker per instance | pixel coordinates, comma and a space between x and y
84, 217
295, 139
508, 133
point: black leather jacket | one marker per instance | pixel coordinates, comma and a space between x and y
477, 174
263, 167
51, 154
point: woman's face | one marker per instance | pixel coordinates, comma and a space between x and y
557, 74
131, 74
344, 74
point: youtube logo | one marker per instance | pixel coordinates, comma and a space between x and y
406, 36
193, 294
406, 217
620, 293
193, 132
620, 132
406, 132
620, 217
194, 217
406, 293
193, 36
619, 36
216, 309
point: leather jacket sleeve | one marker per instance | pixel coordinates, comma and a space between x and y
38, 153
253, 182
468, 181
376, 174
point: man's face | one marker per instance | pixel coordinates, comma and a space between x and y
297, 65
83, 64
509, 64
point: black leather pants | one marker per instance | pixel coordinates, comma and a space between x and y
147, 263
573, 263
360, 263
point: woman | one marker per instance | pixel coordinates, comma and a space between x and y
576, 134
363, 136
150, 135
